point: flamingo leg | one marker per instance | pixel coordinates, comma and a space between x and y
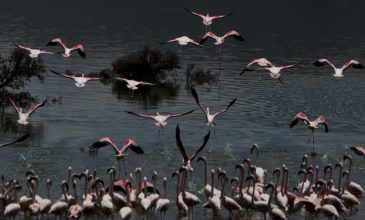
313, 153
125, 170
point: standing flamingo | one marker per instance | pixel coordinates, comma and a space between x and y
67, 51
208, 19
119, 153
132, 84
187, 161
310, 124
339, 71
163, 203
220, 40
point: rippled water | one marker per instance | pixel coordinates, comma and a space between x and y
261, 114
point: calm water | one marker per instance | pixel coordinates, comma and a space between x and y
261, 115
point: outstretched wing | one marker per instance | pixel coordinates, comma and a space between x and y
177, 115
322, 62
208, 35
299, 117
14, 106
141, 115
358, 150
67, 75
195, 95
225, 109
56, 41
23, 47
129, 143
22, 138
80, 49
354, 63
35, 107
233, 34
180, 145
221, 16
206, 138
102, 142
195, 13
321, 120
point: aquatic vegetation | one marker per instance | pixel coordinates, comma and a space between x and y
199, 76
15, 71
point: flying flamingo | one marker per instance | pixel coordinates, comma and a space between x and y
132, 84
187, 161
33, 53
182, 41
339, 71
210, 117
263, 62
207, 19
67, 51
24, 116
22, 138
119, 153
80, 81
160, 119
275, 71
220, 40
358, 150
310, 124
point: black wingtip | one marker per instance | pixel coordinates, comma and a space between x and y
358, 66
317, 63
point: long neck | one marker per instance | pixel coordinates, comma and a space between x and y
339, 179
242, 176
253, 192
48, 190
178, 185
223, 182
154, 183
111, 187
270, 198
286, 182
212, 186
164, 188
205, 173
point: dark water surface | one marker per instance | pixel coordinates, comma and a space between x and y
285, 32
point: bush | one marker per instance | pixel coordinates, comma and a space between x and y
15, 71
148, 64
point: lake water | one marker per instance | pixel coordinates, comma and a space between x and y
288, 32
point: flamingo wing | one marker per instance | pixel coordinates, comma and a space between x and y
56, 41
321, 120
180, 144
35, 107
67, 74
261, 61
121, 79
225, 109
221, 16
195, 13
141, 115
358, 150
298, 117
23, 47
102, 142
206, 36
322, 62
129, 143
354, 63
206, 138
80, 49
46, 52
287, 66
178, 115
146, 83
22, 138
14, 106
92, 78
195, 95
233, 34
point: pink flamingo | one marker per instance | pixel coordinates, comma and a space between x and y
208, 19
339, 71
67, 51
220, 40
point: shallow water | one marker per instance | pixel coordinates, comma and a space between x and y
261, 114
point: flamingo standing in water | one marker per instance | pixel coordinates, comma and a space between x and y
310, 124
160, 119
22, 138
263, 62
132, 84
208, 19
119, 153
220, 40
187, 161
67, 51
339, 71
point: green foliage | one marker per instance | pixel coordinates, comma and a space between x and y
15, 71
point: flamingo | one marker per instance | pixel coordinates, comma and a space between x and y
207, 186
45, 204
11, 209
187, 161
126, 211
275, 71
118, 200
229, 203
214, 201
180, 203
320, 120
352, 187
208, 19
67, 51
160, 119
22, 138
33, 53
59, 208
339, 71
190, 199
259, 171
263, 62
208, 116
359, 150
132, 84
163, 204
24, 116
146, 202
119, 153
220, 40
182, 41
80, 81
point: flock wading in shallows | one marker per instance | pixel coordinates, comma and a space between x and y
316, 192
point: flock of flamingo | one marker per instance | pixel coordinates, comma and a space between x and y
251, 191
